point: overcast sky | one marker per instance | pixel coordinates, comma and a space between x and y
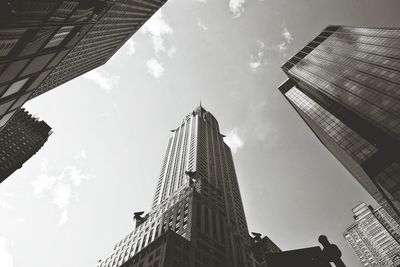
74, 200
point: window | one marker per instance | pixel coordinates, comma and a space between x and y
198, 219
6, 46
15, 87
59, 36
21, 100
6, 118
5, 106
9, 39
3, 88
206, 222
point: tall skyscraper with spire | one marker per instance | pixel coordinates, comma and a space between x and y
197, 216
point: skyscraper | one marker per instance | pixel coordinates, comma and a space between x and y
34, 38
109, 33
198, 198
45, 43
345, 84
374, 237
20, 139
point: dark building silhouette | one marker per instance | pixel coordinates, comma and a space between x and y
198, 198
35, 35
345, 84
307, 257
331, 252
310, 257
261, 248
20, 139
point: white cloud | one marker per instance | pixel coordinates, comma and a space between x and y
255, 64
62, 187
43, 165
201, 25
81, 155
260, 45
287, 35
130, 47
62, 195
233, 140
257, 59
63, 218
77, 176
6, 259
171, 52
282, 47
155, 68
157, 27
202, 1
4, 201
287, 38
103, 79
43, 183
236, 7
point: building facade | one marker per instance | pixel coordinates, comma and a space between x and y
169, 250
310, 257
20, 139
374, 237
45, 43
120, 21
34, 37
198, 198
345, 84
261, 248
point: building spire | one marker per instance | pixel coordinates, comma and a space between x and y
199, 109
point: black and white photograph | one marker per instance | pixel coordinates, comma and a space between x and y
199, 133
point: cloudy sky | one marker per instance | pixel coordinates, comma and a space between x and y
74, 200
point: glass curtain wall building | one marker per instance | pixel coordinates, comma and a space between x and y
345, 84
197, 197
374, 237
